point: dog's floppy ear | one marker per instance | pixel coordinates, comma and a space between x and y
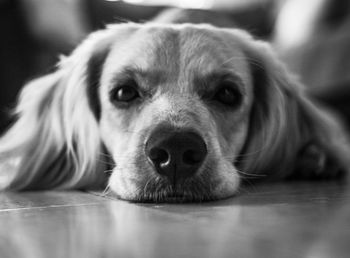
289, 136
55, 141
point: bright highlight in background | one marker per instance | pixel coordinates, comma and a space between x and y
296, 22
197, 4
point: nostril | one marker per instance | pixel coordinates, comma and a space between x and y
159, 156
192, 157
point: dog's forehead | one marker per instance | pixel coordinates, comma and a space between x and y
178, 53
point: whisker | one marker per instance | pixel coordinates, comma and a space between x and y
106, 162
251, 175
106, 191
106, 155
108, 171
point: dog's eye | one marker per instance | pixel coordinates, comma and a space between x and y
228, 95
125, 94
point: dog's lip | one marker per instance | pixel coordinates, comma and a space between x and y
182, 197
185, 199
177, 199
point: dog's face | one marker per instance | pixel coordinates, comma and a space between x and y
183, 111
175, 108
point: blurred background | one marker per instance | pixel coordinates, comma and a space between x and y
312, 37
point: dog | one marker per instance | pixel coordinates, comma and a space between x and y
169, 113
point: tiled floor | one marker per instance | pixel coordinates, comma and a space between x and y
281, 220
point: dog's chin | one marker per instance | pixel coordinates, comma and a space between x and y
159, 190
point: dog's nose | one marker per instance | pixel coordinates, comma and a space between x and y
177, 155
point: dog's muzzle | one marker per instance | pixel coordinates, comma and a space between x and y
176, 154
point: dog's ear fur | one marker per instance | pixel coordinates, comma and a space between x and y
289, 136
55, 141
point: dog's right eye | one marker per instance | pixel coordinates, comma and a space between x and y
124, 94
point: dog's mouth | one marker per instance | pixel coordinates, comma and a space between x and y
154, 188
170, 198
161, 190
173, 197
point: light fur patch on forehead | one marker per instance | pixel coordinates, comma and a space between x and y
176, 55
149, 50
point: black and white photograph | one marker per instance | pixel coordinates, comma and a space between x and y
175, 128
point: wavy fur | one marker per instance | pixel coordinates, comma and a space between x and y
55, 141
284, 121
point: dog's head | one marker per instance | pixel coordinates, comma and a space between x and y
174, 112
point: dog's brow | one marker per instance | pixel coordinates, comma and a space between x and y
208, 81
151, 77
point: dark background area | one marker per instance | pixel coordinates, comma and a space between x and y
36, 32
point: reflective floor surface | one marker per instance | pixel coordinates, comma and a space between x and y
278, 220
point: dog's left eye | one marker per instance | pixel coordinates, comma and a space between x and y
228, 96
